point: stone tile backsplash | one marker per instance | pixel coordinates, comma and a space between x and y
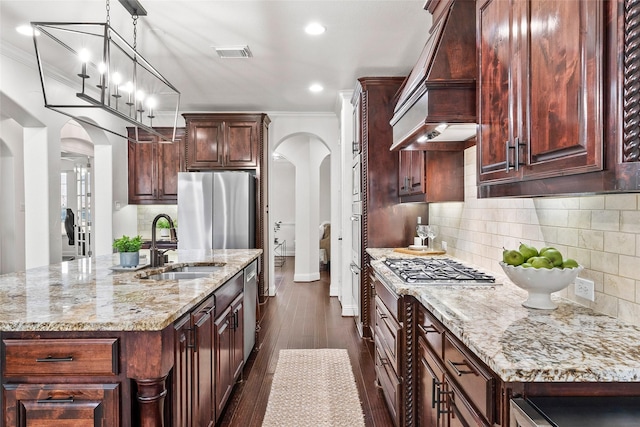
602, 232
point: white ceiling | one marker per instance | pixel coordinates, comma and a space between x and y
363, 38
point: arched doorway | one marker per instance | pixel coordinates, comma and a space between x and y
306, 152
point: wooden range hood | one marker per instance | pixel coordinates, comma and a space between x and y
441, 88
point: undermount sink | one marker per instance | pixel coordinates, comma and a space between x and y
186, 272
197, 268
177, 275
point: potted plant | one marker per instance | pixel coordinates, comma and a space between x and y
129, 248
164, 226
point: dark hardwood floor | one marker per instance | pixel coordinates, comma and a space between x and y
302, 315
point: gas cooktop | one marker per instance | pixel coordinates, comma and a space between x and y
437, 271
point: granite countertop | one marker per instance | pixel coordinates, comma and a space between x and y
571, 343
87, 294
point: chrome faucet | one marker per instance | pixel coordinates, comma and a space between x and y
156, 255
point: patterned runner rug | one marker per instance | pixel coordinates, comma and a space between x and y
313, 388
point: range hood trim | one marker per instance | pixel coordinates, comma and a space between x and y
441, 88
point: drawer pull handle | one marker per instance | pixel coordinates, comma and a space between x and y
55, 359
428, 330
50, 399
458, 372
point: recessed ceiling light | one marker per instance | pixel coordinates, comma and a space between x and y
27, 30
316, 87
315, 28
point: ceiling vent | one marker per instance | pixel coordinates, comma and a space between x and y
234, 52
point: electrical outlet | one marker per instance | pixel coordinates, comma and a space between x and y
444, 245
584, 288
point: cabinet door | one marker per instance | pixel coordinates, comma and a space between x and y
404, 173
169, 158
63, 405
241, 144
430, 388
205, 144
417, 172
498, 88
142, 164
565, 77
223, 357
237, 313
203, 362
412, 173
182, 373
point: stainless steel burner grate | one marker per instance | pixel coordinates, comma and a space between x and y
436, 271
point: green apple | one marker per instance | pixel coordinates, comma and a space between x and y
526, 265
540, 262
527, 251
569, 263
554, 256
512, 257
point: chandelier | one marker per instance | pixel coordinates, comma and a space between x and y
103, 72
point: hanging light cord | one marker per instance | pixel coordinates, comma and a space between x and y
108, 7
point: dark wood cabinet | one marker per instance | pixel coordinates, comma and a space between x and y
72, 379
553, 98
436, 175
229, 345
193, 376
78, 405
388, 349
223, 141
454, 388
385, 222
154, 167
204, 412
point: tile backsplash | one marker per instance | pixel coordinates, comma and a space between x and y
601, 232
146, 214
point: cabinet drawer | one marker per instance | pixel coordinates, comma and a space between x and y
461, 412
431, 330
61, 357
474, 381
387, 296
388, 381
228, 292
61, 405
386, 332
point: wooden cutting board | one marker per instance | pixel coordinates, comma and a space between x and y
419, 252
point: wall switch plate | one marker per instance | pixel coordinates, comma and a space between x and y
444, 246
584, 288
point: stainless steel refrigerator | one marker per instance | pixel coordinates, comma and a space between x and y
216, 210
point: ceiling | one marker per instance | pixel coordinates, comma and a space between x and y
364, 38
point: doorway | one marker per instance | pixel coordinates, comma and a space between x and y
76, 192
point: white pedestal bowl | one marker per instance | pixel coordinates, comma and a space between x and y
540, 283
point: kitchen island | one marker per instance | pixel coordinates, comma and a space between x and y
97, 343
482, 338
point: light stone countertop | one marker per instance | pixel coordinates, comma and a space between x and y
571, 343
87, 295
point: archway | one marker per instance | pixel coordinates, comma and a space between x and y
306, 152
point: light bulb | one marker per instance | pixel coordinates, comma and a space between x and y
84, 55
140, 96
116, 78
102, 68
152, 102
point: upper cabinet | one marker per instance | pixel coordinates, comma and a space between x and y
551, 96
154, 166
431, 176
224, 141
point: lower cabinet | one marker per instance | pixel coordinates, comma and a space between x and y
229, 337
51, 379
208, 356
454, 388
387, 339
49, 404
